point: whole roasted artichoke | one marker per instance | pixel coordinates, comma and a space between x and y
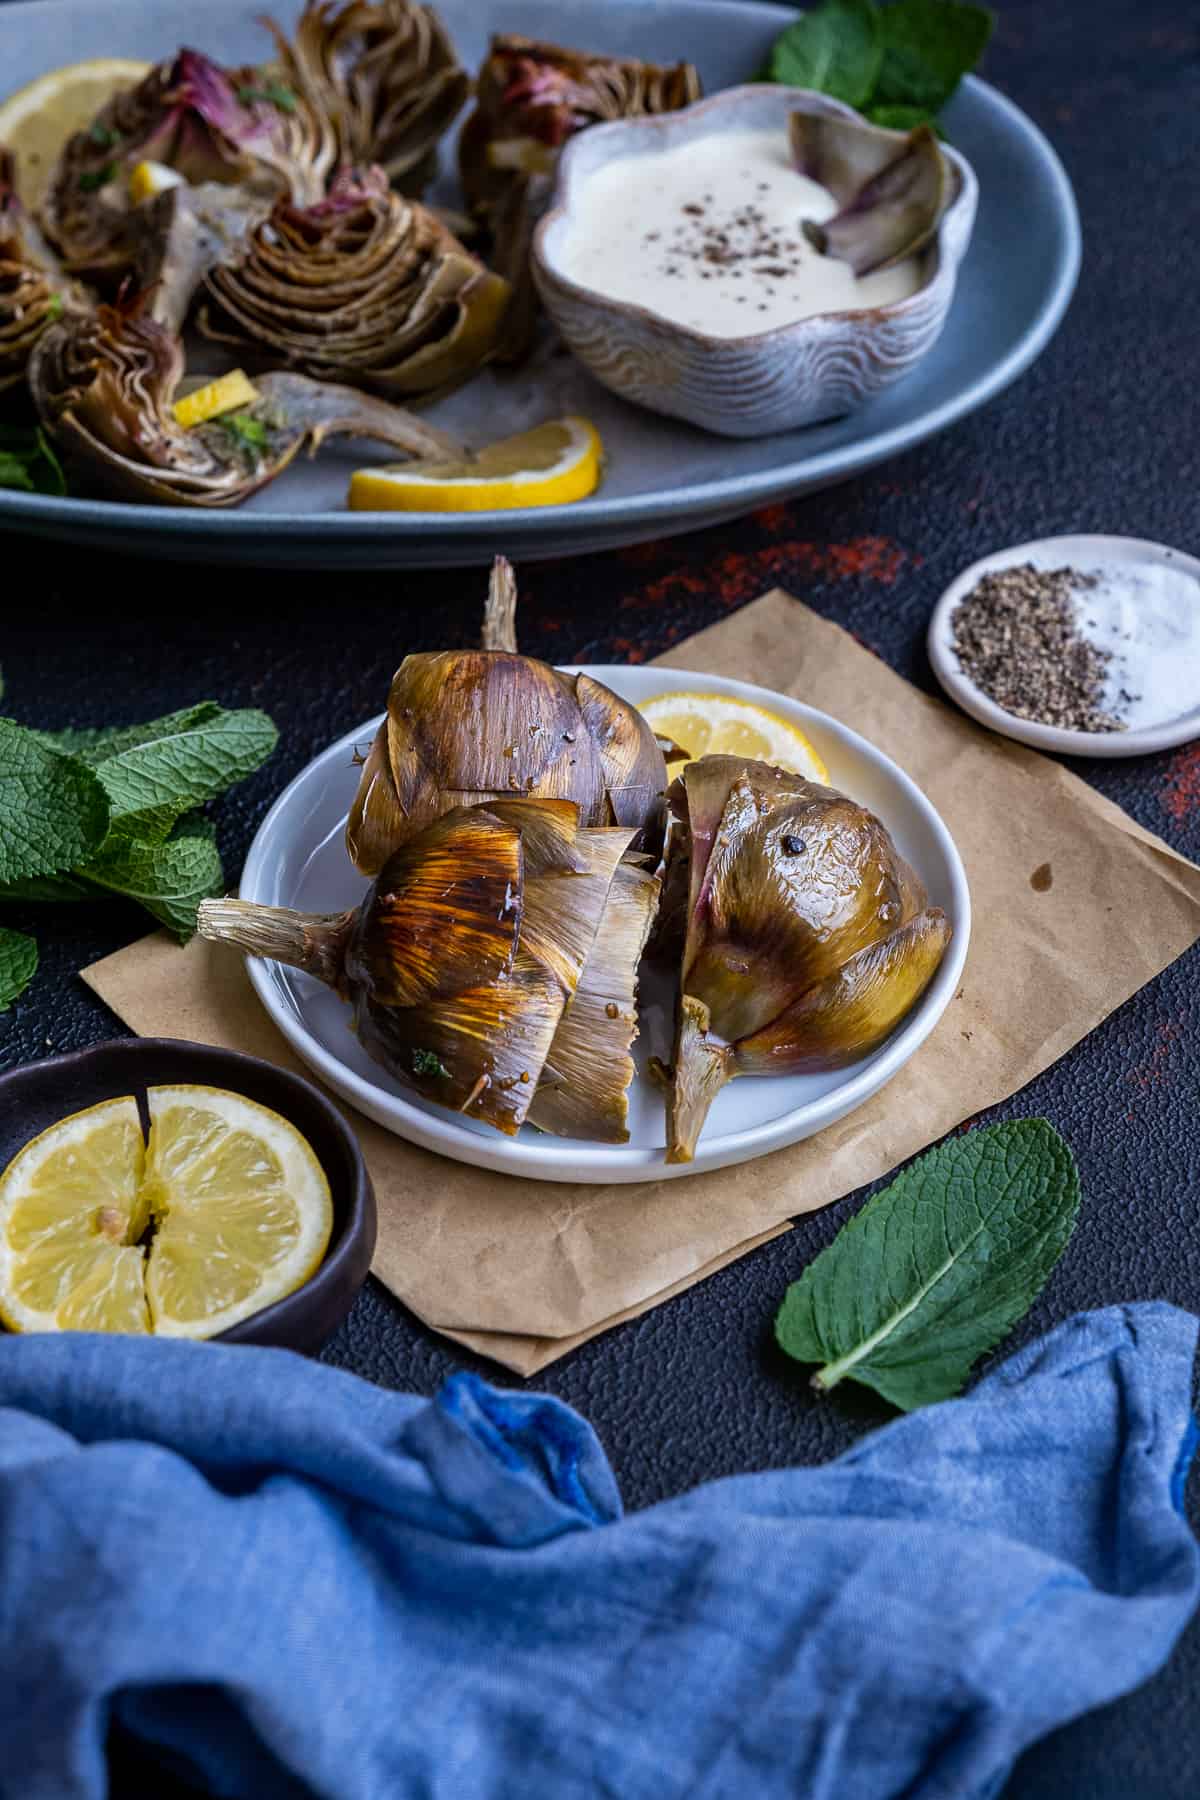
33, 289
210, 125
808, 937
469, 955
385, 74
104, 383
465, 726
530, 98
365, 286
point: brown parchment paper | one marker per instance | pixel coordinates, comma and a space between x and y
523, 1271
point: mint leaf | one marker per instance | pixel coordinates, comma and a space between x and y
92, 744
28, 462
168, 877
935, 1269
51, 888
928, 46
18, 964
247, 432
53, 810
155, 773
898, 118
836, 49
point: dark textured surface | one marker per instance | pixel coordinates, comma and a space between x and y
1101, 435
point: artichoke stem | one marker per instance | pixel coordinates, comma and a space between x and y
500, 608
314, 942
702, 1067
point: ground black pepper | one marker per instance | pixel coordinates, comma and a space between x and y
1016, 637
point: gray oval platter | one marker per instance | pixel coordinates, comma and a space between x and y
662, 477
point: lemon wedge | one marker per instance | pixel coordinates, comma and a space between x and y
148, 180
37, 120
223, 395
549, 466
718, 725
224, 1211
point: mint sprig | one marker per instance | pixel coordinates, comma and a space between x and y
898, 64
115, 810
27, 459
934, 1270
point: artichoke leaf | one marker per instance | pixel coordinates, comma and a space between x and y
853, 1009
584, 1091
445, 914
34, 290
563, 913
894, 214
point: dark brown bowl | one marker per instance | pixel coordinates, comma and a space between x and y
36, 1096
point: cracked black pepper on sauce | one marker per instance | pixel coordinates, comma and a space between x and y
1017, 637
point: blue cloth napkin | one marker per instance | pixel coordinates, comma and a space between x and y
292, 1583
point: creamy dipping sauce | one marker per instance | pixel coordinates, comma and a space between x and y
708, 234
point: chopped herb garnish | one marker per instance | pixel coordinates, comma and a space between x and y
424, 1062
92, 180
273, 94
249, 433
54, 307
104, 137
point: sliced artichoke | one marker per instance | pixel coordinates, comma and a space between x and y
33, 289
530, 98
461, 959
387, 76
584, 1089
465, 726
103, 385
365, 287
808, 936
182, 234
207, 123
892, 188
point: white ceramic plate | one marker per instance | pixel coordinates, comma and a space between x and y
1169, 618
298, 859
662, 476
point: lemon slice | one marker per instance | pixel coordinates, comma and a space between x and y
242, 1209
225, 393
147, 180
225, 1211
549, 466
717, 725
37, 120
71, 1215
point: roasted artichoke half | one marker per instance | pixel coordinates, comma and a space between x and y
465, 956
33, 289
385, 73
465, 726
891, 187
104, 383
808, 937
210, 125
530, 98
365, 286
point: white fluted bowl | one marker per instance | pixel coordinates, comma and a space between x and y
817, 368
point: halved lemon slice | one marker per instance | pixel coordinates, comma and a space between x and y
71, 1214
37, 120
718, 725
241, 1204
147, 180
225, 1211
549, 466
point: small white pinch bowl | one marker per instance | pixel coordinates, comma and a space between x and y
777, 380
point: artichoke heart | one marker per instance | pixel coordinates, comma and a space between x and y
808, 937
530, 98
466, 726
33, 289
364, 287
104, 384
891, 187
207, 123
387, 76
467, 950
